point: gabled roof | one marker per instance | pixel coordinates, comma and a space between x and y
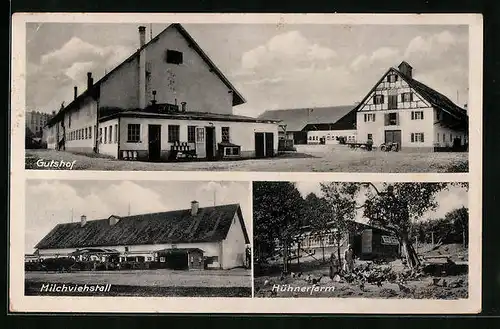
211, 224
297, 119
347, 122
237, 97
432, 96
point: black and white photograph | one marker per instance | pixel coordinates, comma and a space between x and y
138, 238
248, 97
404, 240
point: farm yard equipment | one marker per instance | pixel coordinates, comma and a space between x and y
387, 147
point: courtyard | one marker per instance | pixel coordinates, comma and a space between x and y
307, 158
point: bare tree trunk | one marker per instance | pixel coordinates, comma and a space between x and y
409, 252
338, 254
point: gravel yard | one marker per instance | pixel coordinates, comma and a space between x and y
317, 158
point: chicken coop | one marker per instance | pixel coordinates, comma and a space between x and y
371, 242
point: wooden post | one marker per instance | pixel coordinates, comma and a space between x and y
298, 254
432, 238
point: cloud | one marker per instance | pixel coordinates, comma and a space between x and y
290, 47
383, 56
434, 44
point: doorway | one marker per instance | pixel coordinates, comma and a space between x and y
154, 139
210, 142
393, 136
259, 145
269, 144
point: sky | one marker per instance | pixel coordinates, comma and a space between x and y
272, 66
448, 199
51, 202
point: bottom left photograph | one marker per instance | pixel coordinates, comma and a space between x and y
138, 238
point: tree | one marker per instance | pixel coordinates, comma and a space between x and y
340, 208
459, 222
399, 206
316, 216
277, 212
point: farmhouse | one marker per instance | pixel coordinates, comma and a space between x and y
167, 100
342, 130
195, 238
402, 110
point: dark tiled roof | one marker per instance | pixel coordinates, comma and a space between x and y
186, 116
211, 224
297, 119
93, 91
178, 250
347, 122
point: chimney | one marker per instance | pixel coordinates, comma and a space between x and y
183, 106
194, 208
75, 92
142, 36
113, 220
90, 80
83, 220
405, 69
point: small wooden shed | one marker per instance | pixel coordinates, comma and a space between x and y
181, 258
370, 242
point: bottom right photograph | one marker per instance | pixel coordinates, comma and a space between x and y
406, 240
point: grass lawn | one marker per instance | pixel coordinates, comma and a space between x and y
317, 158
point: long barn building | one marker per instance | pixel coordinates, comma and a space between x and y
195, 238
167, 99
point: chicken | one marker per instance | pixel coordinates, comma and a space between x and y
282, 277
316, 280
435, 281
299, 274
292, 274
266, 282
404, 288
379, 283
445, 283
274, 293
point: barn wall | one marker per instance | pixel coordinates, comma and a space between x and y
80, 125
108, 137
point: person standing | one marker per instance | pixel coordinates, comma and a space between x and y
349, 259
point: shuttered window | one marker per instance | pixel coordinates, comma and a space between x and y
417, 115
393, 102
378, 99
407, 97
417, 137
391, 119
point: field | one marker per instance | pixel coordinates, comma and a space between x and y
162, 282
420, 286
308, 158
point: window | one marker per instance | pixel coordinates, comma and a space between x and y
437, 137
417, 137
444, 138
391, 119
105, 135
133, 133
369, 117
173, 133
69, 120
90, 132
378, 99
393, 102
86, 133
95, 131
126, 249
225, 134
407, 97
392, 78
116, 133
110, 134
310, 138
162, 259
174, 57
417, 115
191, 134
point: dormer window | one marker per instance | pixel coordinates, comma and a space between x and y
174, 57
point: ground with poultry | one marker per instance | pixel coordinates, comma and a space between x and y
375, 279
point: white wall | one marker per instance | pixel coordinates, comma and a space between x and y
406, 125
108, 144
190, 82
241, 133
234, 245
82, 118
314, 136
121, 89
444, 140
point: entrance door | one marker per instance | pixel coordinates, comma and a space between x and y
210, 142
269, 144
200, 142
154, 138
393, 136
259, 145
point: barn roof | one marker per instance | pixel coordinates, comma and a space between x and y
211, 224
297, 119
237, 97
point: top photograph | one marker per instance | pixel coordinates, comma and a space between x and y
248, 97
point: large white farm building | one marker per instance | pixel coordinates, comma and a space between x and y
195, 238
167, 99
